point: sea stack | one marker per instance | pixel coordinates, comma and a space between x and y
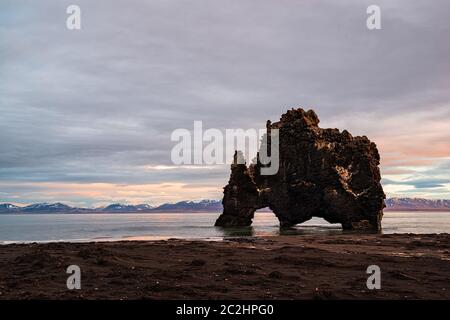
324, 173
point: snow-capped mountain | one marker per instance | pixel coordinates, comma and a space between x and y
142, 207
8, 207
417, 204
47, 207
182, 206
213, 206
186, 206
118, 207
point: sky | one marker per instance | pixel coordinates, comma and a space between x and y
86, 115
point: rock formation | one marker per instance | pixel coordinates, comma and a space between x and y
322, 173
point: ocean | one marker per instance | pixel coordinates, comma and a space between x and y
18, 228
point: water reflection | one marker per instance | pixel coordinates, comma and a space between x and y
311, 229
237, 231
268, 226
276, 230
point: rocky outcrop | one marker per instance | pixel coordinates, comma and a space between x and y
322, 173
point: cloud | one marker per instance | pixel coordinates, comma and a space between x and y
98, 194
430, 181
99, 105
419, 184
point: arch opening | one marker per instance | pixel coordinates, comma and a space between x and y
265, 216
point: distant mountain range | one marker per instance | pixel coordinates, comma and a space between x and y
409, 204
182, 206
392, 204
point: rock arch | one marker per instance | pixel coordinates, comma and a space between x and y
323, 173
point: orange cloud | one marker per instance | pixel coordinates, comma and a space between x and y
103, 193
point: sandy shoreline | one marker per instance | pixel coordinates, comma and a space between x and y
283, 267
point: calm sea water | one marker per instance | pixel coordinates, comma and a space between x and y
152, 226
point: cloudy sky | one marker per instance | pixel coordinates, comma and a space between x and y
86, 116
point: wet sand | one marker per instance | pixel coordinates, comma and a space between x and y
283, 267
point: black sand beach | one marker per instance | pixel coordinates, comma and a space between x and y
284, 267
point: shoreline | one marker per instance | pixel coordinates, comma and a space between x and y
124, 239
413, 266
152, 239
190, 212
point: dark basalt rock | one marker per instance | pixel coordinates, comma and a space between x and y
322, 173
